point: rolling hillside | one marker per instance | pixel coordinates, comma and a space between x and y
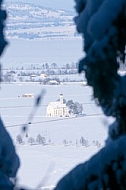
28, 21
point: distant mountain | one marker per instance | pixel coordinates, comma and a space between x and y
28, 21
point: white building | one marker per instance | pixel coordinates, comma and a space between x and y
57, 108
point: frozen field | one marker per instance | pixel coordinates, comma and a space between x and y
21, 52
50, 162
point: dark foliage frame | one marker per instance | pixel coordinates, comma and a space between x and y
104, 52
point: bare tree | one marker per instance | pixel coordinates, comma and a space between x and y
40, 140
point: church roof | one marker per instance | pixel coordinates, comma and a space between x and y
57, 104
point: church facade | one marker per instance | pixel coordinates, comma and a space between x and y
57, 108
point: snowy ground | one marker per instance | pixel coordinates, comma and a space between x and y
20, 53
47, 164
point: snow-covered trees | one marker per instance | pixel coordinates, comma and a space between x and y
74, 107
102, 24
40, 140
19, 139
103, 27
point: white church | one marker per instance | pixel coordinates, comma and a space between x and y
58, 108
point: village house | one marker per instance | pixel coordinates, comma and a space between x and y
31, 95
53, 82
57, 108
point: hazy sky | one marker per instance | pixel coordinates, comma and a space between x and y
58, 4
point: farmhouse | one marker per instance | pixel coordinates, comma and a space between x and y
27, 95
53, 82
57, 108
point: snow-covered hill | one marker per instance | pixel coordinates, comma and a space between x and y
31, 22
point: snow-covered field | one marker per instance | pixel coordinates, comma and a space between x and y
21, 52
47, 164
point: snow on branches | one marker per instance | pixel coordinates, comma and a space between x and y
103, 26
